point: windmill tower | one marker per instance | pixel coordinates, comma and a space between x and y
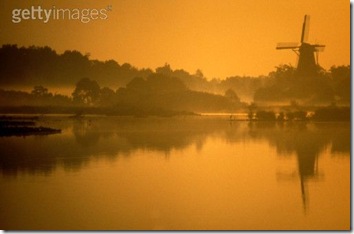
307, 53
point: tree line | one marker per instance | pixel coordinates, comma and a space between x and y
123, 84
156, 94
29, 66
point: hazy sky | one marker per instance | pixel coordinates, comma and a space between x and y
220, 37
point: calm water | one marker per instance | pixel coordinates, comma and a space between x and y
177, 173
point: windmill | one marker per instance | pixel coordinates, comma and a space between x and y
307, 53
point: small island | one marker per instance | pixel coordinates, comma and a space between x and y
23, 126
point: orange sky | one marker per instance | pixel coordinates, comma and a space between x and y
220, 37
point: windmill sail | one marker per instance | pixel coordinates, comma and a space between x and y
319, 48
305, 29
287, 45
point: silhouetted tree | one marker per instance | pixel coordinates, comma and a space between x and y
332, 113
138, 84
265, 115
107, 97
40, 91
165, 70
287, 85
230, 94
341, 83
86, 92
283, 71
199, 73
162, 83
28, 66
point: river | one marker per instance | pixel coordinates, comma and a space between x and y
179, 173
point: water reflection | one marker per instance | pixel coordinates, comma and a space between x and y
89, 138
111, 137
307, 141
146, 173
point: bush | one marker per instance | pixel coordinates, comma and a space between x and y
265, 115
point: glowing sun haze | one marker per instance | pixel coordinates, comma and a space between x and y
221, 37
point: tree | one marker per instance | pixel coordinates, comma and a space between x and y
166, 69
40, 91
341, 83
230, 94
283, 71
138, 84
107, 96
199, 73
265, 115
86, 92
